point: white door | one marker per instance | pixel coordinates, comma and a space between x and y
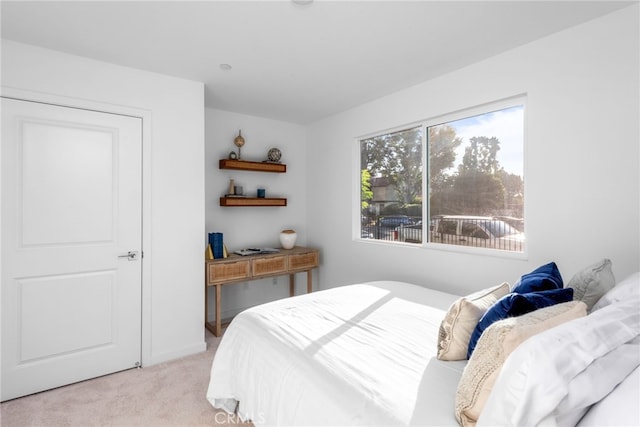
71, 208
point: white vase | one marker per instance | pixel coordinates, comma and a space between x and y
288, 238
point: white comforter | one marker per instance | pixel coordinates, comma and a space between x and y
354, 355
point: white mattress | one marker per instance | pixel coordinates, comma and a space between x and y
354, 355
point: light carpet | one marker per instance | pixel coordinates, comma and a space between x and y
167, 394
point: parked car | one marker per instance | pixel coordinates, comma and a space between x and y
394, 221
517, 223
413, 233
366, 233
410, 233
477, 231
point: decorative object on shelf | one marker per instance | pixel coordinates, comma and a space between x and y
233, 155
231, 191
261, 193
216, 242
256, 251
274, 155
237, 190
288, 238
239, 142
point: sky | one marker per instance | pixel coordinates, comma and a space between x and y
507, 125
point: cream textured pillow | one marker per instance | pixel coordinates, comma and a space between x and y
592, 282
495, 345
461, 319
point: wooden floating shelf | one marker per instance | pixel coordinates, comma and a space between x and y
252, 201
252, 166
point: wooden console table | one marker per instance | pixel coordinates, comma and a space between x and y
238, 269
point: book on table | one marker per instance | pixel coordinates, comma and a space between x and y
256, 251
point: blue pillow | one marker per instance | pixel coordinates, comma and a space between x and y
543, 278
513, 304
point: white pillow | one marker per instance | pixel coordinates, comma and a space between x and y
625, 289
620, 408
537, 378
596, 381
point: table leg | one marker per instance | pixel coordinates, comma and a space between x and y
218, 328
206, 304
309, 282
292, 285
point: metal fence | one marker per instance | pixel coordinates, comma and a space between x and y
482, 232
387, 227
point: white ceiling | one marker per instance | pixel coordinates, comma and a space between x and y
291, 62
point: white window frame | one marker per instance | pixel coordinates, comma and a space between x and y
477, 110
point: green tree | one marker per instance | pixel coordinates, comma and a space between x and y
398, 157
477, 188
443, 143
481, 156
366, 193
477, 193
514, 193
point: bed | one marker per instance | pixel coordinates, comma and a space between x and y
324, 359
369, 354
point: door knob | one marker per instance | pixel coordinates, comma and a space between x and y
131, 255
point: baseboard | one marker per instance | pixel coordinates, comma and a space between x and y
172, 355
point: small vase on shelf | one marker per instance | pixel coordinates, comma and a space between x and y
288, 238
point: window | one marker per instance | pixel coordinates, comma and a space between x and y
472, 191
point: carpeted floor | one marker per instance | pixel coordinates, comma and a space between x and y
168, 394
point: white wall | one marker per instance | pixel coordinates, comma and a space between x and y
244, 227
173, 181
582, 161
582, 150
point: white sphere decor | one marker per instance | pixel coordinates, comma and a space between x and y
288, 238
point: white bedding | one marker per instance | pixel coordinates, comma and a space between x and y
554, 377
354, 355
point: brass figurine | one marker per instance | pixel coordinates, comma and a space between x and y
239, 142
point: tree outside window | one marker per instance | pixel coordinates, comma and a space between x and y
475, 176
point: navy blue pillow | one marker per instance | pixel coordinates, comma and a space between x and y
543, 278
513, 304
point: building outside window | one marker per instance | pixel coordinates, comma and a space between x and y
457, 180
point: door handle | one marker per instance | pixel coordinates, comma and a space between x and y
131, 255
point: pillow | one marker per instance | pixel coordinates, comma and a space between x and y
628, 288
462, 318
616, 408
596, 381
543, 278
512, 305
539, 381
592, 283
495, 345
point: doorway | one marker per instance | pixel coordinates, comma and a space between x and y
71, 245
